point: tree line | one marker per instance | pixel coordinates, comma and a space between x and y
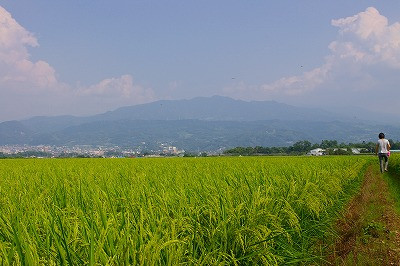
332, 147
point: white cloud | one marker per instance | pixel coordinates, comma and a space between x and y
366, 46
16, 70
364, 25
35, 87
367, 38
12, 35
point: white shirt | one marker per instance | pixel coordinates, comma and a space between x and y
383, 143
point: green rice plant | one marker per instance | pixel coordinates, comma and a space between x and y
393, 178
195, 211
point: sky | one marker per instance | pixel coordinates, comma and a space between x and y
88, 57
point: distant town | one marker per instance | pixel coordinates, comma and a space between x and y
47, 151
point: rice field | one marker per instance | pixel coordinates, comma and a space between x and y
169, 211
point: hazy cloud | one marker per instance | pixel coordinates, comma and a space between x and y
300, 84
122, 87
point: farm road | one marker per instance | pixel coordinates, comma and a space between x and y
369, 232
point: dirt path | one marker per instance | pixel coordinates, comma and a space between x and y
369, 233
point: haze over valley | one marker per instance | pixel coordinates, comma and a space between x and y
199, 124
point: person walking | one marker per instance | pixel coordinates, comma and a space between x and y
382, 149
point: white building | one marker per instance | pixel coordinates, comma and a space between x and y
316, 152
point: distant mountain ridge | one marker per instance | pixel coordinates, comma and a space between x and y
217, 108
203, 123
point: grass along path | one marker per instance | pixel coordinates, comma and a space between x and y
369, 232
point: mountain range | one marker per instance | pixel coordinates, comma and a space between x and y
198, 124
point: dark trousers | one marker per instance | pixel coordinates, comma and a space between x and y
383, 161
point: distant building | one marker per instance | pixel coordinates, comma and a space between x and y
316, 152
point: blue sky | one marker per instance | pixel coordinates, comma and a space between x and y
85, 57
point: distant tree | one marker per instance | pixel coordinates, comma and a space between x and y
68, 155
27, 154
332, 147
240, 151
325, 144
261, 150
189, 154
83, 156
337, 151
343, 145
113, 154
394, 145
145, 153
301, 146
